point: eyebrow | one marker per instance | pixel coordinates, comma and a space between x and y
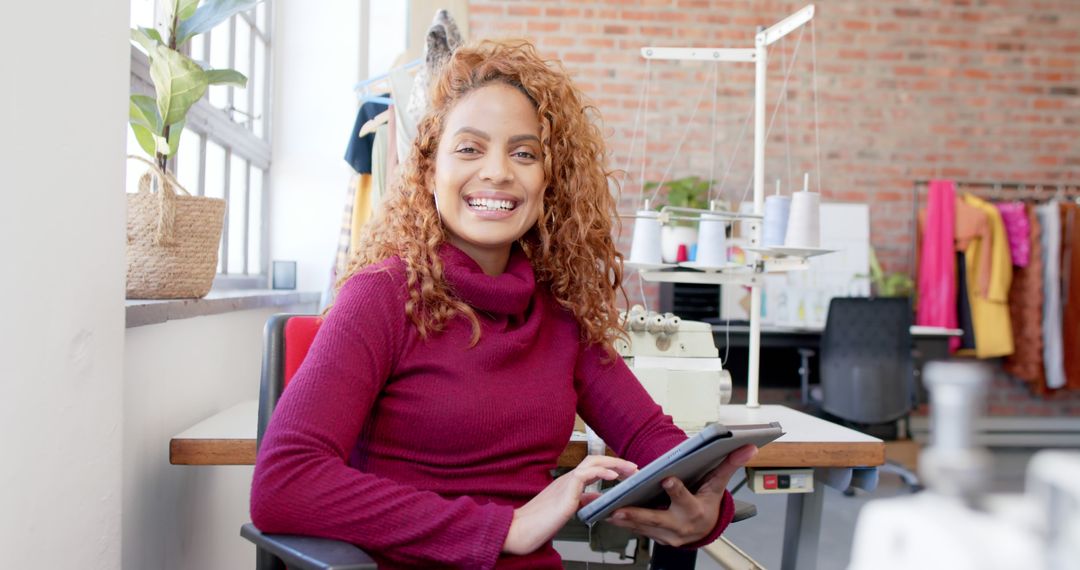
481, 134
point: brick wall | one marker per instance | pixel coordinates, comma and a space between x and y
912, 89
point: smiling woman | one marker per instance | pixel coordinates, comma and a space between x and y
475, 320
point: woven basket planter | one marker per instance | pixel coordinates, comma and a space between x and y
172, 239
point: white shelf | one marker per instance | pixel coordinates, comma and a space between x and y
731, 275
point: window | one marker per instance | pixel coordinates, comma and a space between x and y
225, 147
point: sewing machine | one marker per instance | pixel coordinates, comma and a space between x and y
678, 364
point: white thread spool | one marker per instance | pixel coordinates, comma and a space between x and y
777, 211
804, 220
645, 247
712, 241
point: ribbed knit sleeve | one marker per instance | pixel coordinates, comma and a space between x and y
615, 404
303, 483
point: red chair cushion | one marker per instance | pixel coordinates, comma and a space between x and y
299, 334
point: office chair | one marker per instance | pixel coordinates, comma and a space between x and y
287, 338
866, 370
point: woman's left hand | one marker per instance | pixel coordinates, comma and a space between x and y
691, 516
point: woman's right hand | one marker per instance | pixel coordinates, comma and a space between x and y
538, 520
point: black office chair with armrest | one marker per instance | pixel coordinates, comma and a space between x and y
867, 379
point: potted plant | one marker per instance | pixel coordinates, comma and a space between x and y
173, 236
882, 284
687, 192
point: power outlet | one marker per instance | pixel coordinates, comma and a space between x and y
764, 481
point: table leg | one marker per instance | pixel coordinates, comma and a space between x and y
802, 525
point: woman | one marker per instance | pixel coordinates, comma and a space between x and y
475, 321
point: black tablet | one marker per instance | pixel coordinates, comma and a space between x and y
690, 461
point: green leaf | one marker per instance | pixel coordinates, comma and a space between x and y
174, 137
226, 77
179, 82
143, 111
185, 8
145, 138
210, 14
148, 38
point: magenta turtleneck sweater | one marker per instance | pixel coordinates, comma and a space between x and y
418, 450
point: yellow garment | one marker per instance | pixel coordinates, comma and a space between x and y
361, 210
990, 314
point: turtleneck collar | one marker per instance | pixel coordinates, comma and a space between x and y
505, 294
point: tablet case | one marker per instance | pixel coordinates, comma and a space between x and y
690, 461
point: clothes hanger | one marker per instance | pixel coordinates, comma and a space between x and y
372, 124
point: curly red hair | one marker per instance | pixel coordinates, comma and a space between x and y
571, 247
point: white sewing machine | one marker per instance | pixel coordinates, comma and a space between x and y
678, 364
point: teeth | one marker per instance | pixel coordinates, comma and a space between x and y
489, 204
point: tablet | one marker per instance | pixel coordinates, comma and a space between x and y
690, 461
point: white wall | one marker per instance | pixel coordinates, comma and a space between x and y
176, 374
316, 51
63, 108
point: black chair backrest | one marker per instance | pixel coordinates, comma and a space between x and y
866, 363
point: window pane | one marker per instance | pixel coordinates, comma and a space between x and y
198, 48
219, 59
257, 84
142, 13
260, 16
242, 64
237, 209
255, 224
215, 170
187, 162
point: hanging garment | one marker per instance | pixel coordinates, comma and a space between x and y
972, 224
1070, 292
1053, 356
963, 306
401, 89
391, 151
443, 37
1026, 312
378, 166
358, 152
990, 312
361, 211
937, 273
1015, 218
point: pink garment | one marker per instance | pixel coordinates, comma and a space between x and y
937, 270
1018, 230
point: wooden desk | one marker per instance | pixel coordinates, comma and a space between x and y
228, 438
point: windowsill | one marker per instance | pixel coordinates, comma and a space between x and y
151, 312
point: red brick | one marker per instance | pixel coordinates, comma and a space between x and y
523, 10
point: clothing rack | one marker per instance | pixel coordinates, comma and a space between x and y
994, 190
363, 88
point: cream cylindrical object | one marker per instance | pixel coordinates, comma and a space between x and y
777, 209
646, 245
712, 241
804, 220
